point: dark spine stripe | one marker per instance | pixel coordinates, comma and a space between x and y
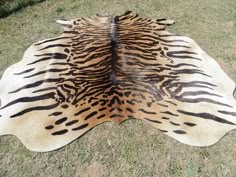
206, 116
80, 127
114, 57
154, 121
61, 132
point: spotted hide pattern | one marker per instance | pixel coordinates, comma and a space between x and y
114, 68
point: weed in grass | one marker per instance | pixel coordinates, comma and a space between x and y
59, 10
174, 169
204, 153
192, 170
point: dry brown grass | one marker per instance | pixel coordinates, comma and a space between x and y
133, 149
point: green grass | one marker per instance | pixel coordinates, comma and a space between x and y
133, 149
8, 7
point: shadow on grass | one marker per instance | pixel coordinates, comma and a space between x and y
7, 7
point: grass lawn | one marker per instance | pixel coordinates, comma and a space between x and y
8, 7
133, 149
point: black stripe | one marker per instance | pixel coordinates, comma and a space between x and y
31, 99
169, 113
44, 89
173, 123
206, 116
49, 127
55, 114
61, 132
116, 115
101, 116
171, 102
181, 64
155, 121
36, 84
190, 124
189, 71
95, 103
228, 113
72, 122
115, 108
195, 93
49, 56
80, 127
90, 115
81, 111
130, 110
146, 112
23, 72
179, 132
46, 71
37, 108
51, 40
174, 54
169, 45
60, 121
164, 131
54, 45
161, 19
102, 109
197, 100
